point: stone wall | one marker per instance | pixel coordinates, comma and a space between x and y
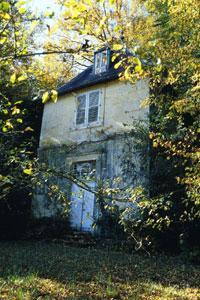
113, 159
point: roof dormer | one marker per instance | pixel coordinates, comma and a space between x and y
101, 60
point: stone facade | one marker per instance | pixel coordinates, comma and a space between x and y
105, 144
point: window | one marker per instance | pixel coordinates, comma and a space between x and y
88, 109
101, 62
84, 169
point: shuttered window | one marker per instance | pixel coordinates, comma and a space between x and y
88, 108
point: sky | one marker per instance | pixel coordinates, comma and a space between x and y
42, 5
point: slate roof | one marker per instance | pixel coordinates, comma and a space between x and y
89, 78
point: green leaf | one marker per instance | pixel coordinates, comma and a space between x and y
5, 6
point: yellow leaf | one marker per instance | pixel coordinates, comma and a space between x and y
45, 97
8, 124
18, 102
28, 171
3, 40
22, 77
138, 68
13, 78
117, 47
19, 120
155, 144
5, 111
19, 3
22, 10
4, 129
151, 135
117, 65
5, 16
15, 110
54, 96
74, 13
28, 129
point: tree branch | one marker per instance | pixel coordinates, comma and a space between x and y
16, 56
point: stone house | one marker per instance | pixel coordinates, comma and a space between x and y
86, 131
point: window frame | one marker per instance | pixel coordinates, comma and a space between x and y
87, 124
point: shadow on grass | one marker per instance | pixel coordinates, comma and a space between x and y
39, 270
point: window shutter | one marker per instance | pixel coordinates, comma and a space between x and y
93, 109
81, 107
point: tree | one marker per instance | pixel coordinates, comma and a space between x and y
17, 139
23, 76
163, 39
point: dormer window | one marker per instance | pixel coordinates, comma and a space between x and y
101, 61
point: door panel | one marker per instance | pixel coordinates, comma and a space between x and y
82, 202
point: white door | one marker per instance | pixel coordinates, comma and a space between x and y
82, 203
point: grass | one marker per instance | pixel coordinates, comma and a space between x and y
39, 270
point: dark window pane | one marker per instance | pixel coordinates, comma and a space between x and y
81, 101
80, 117
81, 104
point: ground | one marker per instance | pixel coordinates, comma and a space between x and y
41, 270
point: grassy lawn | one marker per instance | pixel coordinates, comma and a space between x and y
39, 270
